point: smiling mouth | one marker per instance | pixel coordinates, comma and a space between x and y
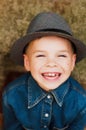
51, 75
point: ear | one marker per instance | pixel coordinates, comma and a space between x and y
73, 61
26, 62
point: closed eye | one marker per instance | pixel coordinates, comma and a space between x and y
62, 55
40, 56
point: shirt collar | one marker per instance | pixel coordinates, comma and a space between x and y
36, 93
60, 92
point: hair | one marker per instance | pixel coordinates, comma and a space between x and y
73, 48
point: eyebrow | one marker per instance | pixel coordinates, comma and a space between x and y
43, 51
38, 51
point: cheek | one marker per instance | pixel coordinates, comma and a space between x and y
64, 63
70, 66
67, 65
35, 67
38, 63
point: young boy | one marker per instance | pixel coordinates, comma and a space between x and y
46, 97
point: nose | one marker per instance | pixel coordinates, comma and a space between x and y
51, 62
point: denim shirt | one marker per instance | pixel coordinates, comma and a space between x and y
26, 106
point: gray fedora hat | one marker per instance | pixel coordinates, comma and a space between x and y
46, 24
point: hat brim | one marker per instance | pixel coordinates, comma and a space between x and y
19, 45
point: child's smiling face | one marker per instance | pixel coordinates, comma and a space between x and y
50, 60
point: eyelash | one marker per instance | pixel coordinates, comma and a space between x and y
62, 56
40, 56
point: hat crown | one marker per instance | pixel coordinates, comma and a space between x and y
45, 24
48, 21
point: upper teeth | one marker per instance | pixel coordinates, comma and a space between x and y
50, 74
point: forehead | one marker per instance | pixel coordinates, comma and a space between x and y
52, 42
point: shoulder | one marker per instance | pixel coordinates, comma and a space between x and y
75, 100
77, 87
78, 93
17, 83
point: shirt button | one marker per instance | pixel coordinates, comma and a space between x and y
48, 96
46, 114
45, 126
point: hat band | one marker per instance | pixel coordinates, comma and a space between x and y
54, 30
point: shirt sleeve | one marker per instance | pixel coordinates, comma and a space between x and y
10, 122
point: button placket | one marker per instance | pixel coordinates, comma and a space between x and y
46, 111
